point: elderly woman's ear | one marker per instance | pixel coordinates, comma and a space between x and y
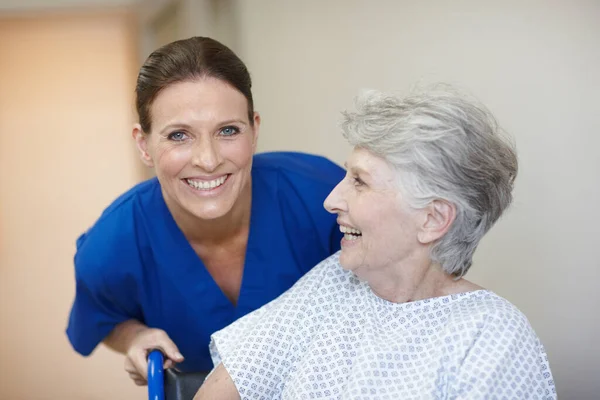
438, 216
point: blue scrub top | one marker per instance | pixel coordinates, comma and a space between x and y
135, 263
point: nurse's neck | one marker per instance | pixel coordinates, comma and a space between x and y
215, 231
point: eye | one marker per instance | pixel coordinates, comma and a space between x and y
229, 130
357, 181
177, 136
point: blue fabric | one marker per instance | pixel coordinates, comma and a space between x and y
136, 263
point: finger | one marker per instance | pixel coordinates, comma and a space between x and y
140, 363
140, 382
128, 365
169, 348
135, 376
168, 364
137, 379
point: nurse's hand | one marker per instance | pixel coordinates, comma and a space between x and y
136, 340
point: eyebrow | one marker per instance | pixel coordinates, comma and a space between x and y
357, 170
231, 121
188, 126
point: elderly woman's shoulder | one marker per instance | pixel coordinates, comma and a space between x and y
485, 309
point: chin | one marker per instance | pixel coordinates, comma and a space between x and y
346, 262
209, 211
209, 208
210, 214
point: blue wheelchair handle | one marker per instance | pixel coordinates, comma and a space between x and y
156, 378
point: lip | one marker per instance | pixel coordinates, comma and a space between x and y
344, 243
206, 178
342, 223
207, 192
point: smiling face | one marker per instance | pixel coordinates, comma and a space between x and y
380, 228
201, 146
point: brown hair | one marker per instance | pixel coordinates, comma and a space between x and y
188, 59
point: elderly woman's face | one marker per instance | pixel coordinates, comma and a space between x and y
380, 229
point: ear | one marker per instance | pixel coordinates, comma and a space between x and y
141, 141
439, 216
256, 130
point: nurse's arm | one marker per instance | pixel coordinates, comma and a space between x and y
218, 386
122, 335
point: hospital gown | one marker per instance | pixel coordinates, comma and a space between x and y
331, 337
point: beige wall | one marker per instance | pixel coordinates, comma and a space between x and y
66, 85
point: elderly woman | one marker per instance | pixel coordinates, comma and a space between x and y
391, 315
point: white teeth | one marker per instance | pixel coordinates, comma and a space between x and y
349, 231
348, 236
205, 185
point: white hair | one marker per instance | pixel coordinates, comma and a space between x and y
444, 146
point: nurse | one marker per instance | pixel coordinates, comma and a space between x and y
218, 232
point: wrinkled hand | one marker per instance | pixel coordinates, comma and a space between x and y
136, 358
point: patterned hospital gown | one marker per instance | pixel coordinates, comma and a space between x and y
331, 337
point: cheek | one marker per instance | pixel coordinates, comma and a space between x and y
239, 152
386, 224
398, 233
171, 160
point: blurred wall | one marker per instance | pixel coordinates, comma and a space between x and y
66, 86
37, 5
533, 63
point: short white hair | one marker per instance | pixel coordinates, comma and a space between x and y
443, 145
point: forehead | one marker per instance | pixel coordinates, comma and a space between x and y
205, 98
362, 160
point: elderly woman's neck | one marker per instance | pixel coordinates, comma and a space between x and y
418, 281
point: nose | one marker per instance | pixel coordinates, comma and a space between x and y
206, 154
335, 203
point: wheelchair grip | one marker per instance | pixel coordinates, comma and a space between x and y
156, 382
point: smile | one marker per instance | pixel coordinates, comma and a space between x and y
206, 185
350, 233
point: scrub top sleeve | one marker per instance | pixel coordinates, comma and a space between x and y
100, 304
